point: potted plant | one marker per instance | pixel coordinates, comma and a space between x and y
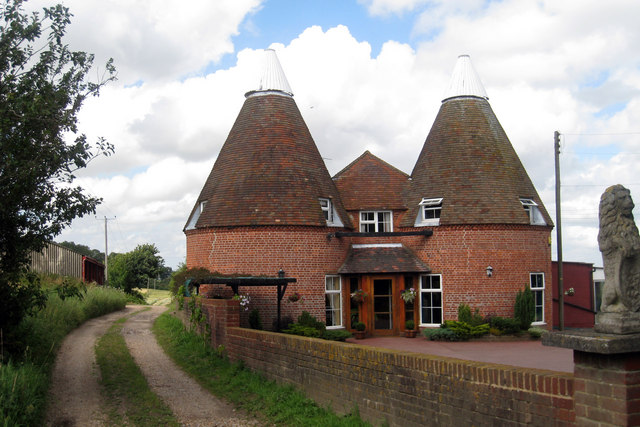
410, 332
359, 296
359, 330
408, 295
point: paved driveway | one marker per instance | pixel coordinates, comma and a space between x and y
527, 354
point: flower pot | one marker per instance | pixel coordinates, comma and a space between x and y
359, 334
410, 333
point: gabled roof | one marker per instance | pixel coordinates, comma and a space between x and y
269, 170
382, 259
371, 183
468, 160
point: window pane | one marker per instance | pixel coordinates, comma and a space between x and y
332, 283
332, 303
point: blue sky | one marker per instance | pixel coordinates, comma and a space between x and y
367, 75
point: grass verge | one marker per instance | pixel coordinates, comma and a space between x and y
130, 401
277, 404
25, 375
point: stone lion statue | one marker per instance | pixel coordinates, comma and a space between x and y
619, 243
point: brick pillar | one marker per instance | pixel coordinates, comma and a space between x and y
606, 376
607, 388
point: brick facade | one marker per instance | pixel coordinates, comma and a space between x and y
460, 254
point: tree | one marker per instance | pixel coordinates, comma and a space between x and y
84, 250
42, 87
525, 308
133, 269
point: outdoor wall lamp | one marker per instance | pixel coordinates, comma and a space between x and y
489, 271
281, 273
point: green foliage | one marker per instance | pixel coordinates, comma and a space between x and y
440, 334
465, 331
134, 269
409, 325
506, 325
128, 394
465, 315
24, 384
305, 331
179, 278
43, 85
536, 332
306, 319
69, 289
273, 404
84, 250
359, 326
18, 299
254, 319
336, 335
525, 309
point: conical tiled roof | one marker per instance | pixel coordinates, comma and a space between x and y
468, 161
269, 170
371, 183
465, 80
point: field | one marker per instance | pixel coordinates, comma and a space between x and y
156, 296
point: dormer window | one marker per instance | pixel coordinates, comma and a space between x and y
532, 209
327, 210
196, 215
430, 210
376, 222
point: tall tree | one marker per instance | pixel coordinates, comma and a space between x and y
84, 250
133, 269
42, 87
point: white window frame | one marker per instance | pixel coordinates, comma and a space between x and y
535, 216
430, 205
327, 209
334, 292
431, 291
196, 215
537, 290
376, 221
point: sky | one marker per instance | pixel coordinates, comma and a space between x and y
366, 75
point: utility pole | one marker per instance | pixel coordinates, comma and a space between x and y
106, 251
556, 143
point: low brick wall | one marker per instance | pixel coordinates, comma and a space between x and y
399, 388
407, 388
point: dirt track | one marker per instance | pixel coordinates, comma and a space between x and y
75, 391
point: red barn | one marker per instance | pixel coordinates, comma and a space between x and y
466, 226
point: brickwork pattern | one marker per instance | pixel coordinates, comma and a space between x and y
607, 389
407, 389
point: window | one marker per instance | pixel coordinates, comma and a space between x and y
196, 215
537, 287
327, 209
532, 209
376, 221
431, 300
430, 211
333, 304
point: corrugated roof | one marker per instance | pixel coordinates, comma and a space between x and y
465, 81
272, 79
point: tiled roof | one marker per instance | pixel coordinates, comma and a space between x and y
468, 160
370, 183
381, 259
269, 171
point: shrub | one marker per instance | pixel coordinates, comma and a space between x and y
440, 334
505, 325
359, 326
465, 331
536, 332
254, 319
305, 331
525, 308
409, 325
464, 313
336, 335
306, 319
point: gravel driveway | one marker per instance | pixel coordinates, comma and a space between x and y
75, 398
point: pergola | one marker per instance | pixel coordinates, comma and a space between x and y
235, 282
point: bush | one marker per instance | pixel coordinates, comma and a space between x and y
465, 331
305, 331
440, 334
464, 313
409, 325
536, 332
306, 319
336, 335
254, 319
359, 326
525, 308
506, 325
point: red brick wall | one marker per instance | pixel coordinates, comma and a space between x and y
407, 389
460, 253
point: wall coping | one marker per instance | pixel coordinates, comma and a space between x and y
590, 341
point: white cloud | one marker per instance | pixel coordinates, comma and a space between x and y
546, 66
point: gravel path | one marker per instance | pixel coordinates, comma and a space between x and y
75, 398
75, 393
191, 404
